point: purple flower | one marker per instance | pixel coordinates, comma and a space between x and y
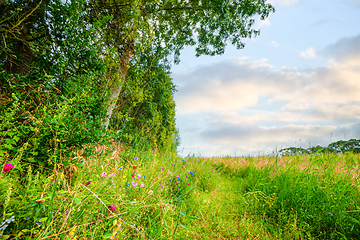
87, 183
112, 207
8, 167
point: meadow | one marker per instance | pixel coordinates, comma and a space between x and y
127, 194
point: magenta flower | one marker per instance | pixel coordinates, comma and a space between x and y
138, 176
103, 174
162, 169
87, 183
133, 183
133, 175
112, 207
8, 167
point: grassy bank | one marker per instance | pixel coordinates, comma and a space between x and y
125, 194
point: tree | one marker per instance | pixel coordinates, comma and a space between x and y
170, 25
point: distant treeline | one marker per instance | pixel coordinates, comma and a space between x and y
341, 146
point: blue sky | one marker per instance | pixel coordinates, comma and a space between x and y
297, 84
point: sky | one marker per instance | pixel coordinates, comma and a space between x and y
297, 84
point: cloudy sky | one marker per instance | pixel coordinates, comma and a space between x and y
297, 84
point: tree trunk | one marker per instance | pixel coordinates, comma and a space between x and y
118, 86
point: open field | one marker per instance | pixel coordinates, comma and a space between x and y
125, 194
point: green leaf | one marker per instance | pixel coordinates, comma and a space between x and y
8, 146
77, 200
16, 138
182, 226
43, 219
182, 213
107, 235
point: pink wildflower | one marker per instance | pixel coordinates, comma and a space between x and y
103, 174
138, 176
87, 183
168, 171
8, 167
112, 207
133, 175
133, 183
162, 168
142, 185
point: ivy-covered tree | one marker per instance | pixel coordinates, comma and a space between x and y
146, 109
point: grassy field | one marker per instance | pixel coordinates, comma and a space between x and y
124, 194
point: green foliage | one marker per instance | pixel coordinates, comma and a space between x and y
340, 146
209, 25
57, 104
170, 25
145, 115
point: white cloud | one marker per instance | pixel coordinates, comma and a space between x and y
308, 53
274, 44
237, 84
345, 49
265, 22
231, 134
240, 103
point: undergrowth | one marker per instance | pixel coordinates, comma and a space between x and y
127, 194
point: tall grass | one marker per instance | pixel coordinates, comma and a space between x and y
127, 194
